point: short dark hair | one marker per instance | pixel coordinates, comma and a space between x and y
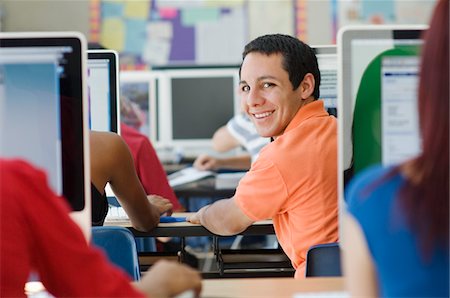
298, 58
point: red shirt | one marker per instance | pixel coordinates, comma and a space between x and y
36, 234
148, 166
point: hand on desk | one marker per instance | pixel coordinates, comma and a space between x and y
195, 217
163, 205
206, 163
167, 279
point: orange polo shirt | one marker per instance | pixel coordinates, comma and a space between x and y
294, 182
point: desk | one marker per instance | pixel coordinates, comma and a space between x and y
250, 287
186, 229
269, 287
202, 188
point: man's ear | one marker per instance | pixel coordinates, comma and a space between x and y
307, 86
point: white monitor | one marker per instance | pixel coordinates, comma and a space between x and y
193, 104
327, 60
377, 83
139, 89
43, 111
103, 90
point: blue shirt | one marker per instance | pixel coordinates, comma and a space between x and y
401, 268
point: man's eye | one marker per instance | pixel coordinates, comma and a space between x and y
245, 88
267, 85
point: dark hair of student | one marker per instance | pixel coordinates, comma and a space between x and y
298, 58
426, 202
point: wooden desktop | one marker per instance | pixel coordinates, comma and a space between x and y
274, 287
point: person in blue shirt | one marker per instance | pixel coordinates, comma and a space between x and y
396, 232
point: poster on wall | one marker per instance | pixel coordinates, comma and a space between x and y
154, 33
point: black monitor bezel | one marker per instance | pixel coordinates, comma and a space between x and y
112, 57
72, 126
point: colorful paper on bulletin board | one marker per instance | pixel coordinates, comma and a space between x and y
113, 34
137, 9
135, 36
301, 20
378, 12
334, 20
94, 20
192, 16
168, 13
112, 9
183, 42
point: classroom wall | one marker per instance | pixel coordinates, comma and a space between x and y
45, 15
145, 40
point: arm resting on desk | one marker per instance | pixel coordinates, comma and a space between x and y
224, 217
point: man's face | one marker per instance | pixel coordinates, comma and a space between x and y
266, 93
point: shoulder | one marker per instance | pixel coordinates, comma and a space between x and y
106, 140
107, 149
19, 179
364, 185
240, 121
20, 170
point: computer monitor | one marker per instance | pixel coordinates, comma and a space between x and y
193, 104
377, 82
103, 90
138, 88
43, 112
327, 60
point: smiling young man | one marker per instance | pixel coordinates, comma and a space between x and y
294, 180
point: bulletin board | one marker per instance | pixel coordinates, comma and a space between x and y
162, 32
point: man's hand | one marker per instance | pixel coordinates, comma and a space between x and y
206, 163
167, 279
163, 205
195, 218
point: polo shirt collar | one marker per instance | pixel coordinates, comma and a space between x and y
312, 109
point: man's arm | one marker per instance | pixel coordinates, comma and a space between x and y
224, 217
223, 140
206, 162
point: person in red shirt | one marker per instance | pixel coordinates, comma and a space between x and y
37, 235
148, 166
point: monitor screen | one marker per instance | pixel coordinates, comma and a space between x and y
194, 103
378, 97
102, 79
42, 110
327, 60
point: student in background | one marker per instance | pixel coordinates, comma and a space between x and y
146, 162
294, 179
239, 131
396, 235
112, 162
37, 234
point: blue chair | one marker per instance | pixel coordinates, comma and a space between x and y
119, 245
323, 260
143, 244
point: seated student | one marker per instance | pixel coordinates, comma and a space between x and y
37, 234
396, 235
239, 131
294, 179
146, 162
111, 161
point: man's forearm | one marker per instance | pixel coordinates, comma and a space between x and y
219, 218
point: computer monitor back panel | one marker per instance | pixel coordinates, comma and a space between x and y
43, 111
103, 90
377, 83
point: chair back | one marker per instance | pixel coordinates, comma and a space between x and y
323, 260
119, 245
